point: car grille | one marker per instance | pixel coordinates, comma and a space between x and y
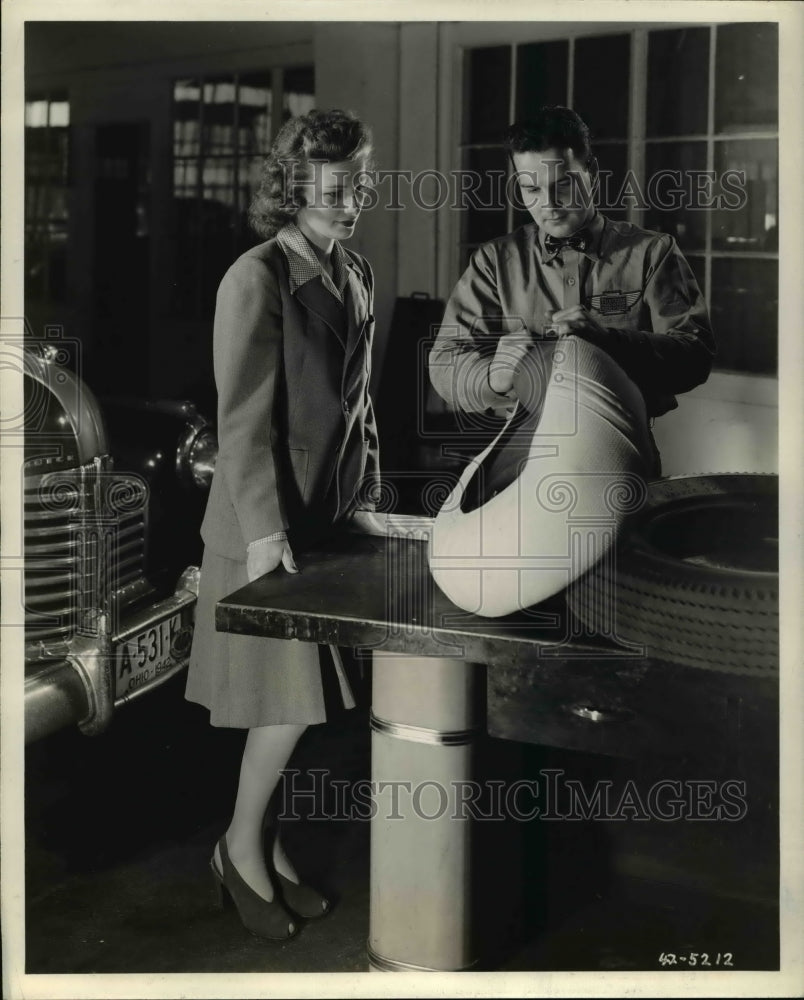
85, 537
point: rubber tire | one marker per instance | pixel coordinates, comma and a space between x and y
721, 615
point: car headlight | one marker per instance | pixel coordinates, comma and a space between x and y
196, 455
202, 456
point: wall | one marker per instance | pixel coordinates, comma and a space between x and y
359, 71
63, 47
728, 424
418, 152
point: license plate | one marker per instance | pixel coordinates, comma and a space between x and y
146, 657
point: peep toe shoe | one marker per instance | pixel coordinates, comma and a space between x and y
301, 899
269, 920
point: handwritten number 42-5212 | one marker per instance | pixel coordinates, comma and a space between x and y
697, 958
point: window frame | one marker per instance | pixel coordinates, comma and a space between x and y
277, 73
37, 224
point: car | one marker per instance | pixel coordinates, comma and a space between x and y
114, 493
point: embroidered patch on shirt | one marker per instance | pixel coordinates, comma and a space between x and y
612, 303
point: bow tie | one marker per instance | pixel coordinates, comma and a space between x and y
578, 241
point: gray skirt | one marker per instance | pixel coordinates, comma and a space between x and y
248, 681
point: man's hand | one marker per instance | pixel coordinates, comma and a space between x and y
265, 558
577, 320
511, 348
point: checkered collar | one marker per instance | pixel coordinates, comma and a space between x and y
304, 265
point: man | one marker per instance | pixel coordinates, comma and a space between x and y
628, 291
578, 331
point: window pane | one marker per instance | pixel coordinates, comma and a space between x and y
218, 116
541, 76
612, 159
186, 116
39, 161
673, 173
47, 192
746, 87
59, 114
219, 183
748, 219
61, 152
698, 265
745, 304
249, 179
602, 76
298, 96
185, 178
486, 101
36, 114
678, 81
187, 138
254, 113
483, 195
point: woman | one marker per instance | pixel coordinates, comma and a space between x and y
297, 441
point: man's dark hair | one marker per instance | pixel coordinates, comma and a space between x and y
553, 127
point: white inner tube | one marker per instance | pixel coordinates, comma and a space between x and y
582, 472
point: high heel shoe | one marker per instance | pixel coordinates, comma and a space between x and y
263, 918
301, 899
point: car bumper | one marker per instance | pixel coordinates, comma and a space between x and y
85, 685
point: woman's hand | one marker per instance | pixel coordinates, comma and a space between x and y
370, 522
265, 558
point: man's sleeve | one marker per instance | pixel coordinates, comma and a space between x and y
467, 340
247, 345
676, 354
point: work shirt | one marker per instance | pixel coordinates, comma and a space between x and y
634, 283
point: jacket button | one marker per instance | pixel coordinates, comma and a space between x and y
346, 409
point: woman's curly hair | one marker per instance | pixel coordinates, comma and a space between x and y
320, 135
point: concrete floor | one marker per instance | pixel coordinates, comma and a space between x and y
120, 829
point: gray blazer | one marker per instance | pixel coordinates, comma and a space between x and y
297, 436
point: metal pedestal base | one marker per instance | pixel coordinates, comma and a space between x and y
424, 723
